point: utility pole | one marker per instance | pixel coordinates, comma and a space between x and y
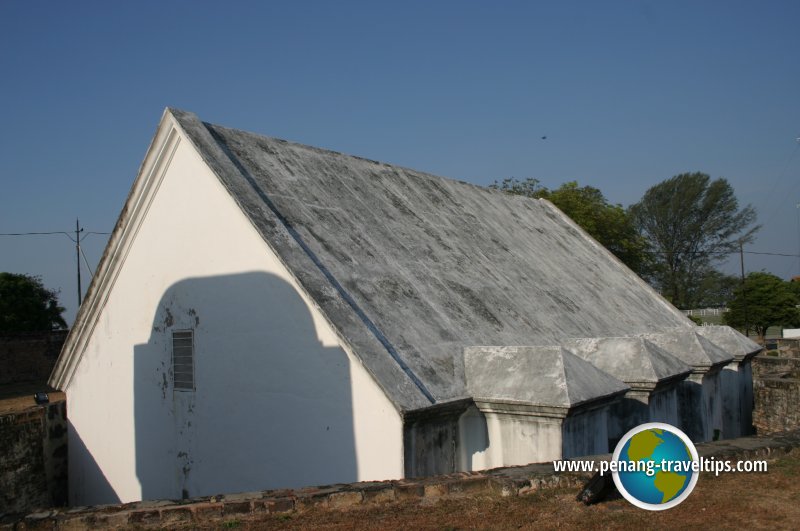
744, 290
78, 231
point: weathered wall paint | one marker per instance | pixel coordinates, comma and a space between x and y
639, 407
278, 401
585, 432
712, 394
663, 405
33, 458
700, 405
490, 439
746, 397
432, 439
736, 387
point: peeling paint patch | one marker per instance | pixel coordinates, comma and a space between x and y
193, 313
164, 386
169, 320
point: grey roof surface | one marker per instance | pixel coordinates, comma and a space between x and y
731, 340
548, 376
634, 360
410, 268
690, 347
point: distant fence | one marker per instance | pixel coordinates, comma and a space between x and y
706, 312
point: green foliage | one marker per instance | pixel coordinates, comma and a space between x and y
692, 222
27, 306
767, 301
713, 289
609, 224
696, 320
528, 188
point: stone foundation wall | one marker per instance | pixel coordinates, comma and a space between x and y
33, 458
776, 386
510, 481
789, 347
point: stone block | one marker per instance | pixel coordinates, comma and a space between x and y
40, 521
238, 507
204, 512
314, 496
118, 519
342, 500
279, 505
469, 485
77, 522
170, 515
435, 490
242, 496
407, 491
383, 494
144, 517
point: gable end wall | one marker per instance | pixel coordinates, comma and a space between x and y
278, 401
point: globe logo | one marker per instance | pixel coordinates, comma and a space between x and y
657, 466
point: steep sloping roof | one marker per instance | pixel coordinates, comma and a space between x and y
540, 376
634, 360
690, 347
733, 342
411, 268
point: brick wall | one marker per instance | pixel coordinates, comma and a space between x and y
33, 458
30, 356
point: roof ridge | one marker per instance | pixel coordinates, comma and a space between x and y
328, 151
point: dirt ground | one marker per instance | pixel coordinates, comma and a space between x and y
731, 501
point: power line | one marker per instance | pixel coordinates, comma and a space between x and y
771, 254
723, 253
44, 233
80, 235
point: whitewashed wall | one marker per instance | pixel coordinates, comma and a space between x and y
490, 439
640, 406
585, 433
278, 401
713, 397
700, 405
736, 386
663, 405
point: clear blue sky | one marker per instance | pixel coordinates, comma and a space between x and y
627, 93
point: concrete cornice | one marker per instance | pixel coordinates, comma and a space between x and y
156, 162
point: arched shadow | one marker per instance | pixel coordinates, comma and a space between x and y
271, 405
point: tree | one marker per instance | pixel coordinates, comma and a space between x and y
713, 289
767, 301
609, 224
27, 306
692, 222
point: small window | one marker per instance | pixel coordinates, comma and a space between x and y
183, 360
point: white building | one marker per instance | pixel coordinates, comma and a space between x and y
653, 374
269, 315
